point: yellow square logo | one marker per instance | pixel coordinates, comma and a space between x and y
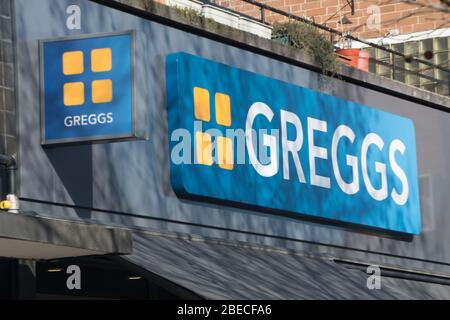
203, 148
73, 63
225, 153
201, 104
101, 60
73, 94
223, 113
102, 91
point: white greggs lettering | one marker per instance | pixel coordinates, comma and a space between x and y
88, 119
316, 153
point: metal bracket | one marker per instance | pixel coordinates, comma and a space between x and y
351, 3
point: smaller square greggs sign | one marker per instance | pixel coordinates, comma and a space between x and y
87, 88
247, 140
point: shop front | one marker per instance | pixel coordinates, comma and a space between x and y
157, 160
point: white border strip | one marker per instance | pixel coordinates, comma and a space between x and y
415, 36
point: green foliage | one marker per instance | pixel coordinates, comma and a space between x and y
147, 5
196, 18
308, 39
191, 15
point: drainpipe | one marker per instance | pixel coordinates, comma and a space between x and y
12, 200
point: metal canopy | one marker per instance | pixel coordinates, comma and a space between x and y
27, 236
214, 270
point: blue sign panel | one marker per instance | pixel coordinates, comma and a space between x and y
248, 140
87, 88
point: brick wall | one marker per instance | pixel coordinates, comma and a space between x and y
7, 108
394, 14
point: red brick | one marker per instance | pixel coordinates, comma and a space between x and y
389, 18
404, 6
328, 3
333, 25
369, 34
311, 5
294, 2
423, 26
406, 29
331, 10
358, 13
315, 12
362, 5
407, 18
295, 8
387, 8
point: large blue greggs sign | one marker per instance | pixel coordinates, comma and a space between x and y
87, 88
305, 152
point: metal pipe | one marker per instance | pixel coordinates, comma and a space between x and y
9, 162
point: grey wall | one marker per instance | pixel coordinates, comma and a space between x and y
127, 183
7, 107
7, 110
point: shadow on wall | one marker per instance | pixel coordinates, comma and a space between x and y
75, 172
74, 166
